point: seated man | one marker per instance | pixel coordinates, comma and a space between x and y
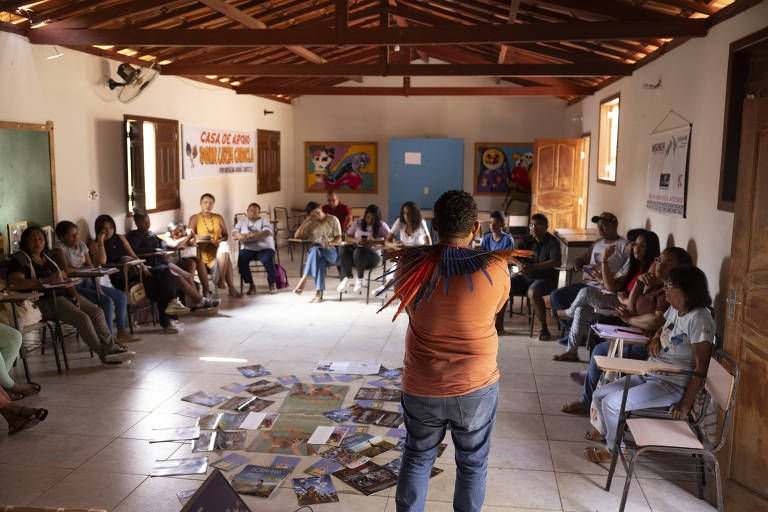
257, 243
144, 241
339, 210
645, 310
538, 275
616, 259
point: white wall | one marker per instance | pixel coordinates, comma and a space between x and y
87, 120
693, 78
380, 118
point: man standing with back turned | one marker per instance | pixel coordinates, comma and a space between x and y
450, 374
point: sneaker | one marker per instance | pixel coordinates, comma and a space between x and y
175, 307
358, 285
343, 285
119, 355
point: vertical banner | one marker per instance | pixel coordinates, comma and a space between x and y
211, 152
668, 170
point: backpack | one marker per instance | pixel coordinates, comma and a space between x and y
281, 278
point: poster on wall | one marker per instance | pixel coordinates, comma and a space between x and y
668, 170
503, 167
213, 152
341, 166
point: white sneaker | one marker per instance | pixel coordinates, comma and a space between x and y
343, 285
120, 355
358, 285
176, 308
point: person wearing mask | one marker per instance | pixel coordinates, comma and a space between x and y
362, 232
324, 231
257, 244
338, 209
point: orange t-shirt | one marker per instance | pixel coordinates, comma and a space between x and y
451, 343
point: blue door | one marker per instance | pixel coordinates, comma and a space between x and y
434, 166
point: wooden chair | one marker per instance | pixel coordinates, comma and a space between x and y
652, 434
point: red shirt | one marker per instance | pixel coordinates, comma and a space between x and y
341, 212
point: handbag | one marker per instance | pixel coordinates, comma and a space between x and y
136, 292
27, 312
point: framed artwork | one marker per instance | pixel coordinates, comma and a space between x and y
15, 229
341, 166
49, 237
503, 167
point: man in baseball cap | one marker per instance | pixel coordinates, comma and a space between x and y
606, 216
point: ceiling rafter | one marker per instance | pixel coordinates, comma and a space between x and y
417, 91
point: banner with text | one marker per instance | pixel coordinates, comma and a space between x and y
668, 170
209, 152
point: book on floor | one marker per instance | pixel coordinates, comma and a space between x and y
319, 378
230, 462
313, 398
388, 395
203, 398
372, 447
288, 379
266, 388
284, 462
190, 466
323, 467
315, 490
233, 403
368, 478
348, 377
370, 404
352, 439
394, 373
215, 493
160, 435
345, 456
254, 404
259, 481
210, 440
254, 370
345, 414
396, 432
229, 421
379, 417
234, 387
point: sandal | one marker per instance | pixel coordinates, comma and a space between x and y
576, 407
318, 298
38, 416
14, 396
298, 290
594, 435
598, 455
566, 356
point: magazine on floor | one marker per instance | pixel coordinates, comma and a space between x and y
319, 378
259, 481
345, 414
229, 421
394, 373
379, 417
266, 388
254, 370
288, 436
372, 447
206, 399
368, 478
323, 467
345, 456
220, 440
160, 435
348, 367
230, 462
254, 404
288, 379
234, 387
209, 421
190, 466
352, 439
388, 395
313, 398
284, 462
315, 490
348, 377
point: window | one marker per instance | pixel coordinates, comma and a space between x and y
608, 141
268, 151
152, 163
747, 78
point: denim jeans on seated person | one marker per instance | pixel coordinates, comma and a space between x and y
471, 418
113, 303
638, 352
318, 258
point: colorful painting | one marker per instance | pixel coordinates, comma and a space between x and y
341, 166
502, 167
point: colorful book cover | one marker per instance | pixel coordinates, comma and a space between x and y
345, 414
348, 377
229, 421
288, 436
370, 404
389, 395
394, 373
190, 466
266, 388
315, 490
281, 461
345, 456
203, 398
231, 440
336, 436
314, 398
373, 447
379, 383
233, 403
320, 378
353, 439
230, 462
254, 404
255, 370
269, 421
289, 379
396, 432
367, 478
259, 481
209, 421
354, 429
323, 467
234, 387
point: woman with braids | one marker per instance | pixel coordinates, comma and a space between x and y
362, 232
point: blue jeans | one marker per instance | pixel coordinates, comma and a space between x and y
639, 352
318, 258
471, 417
265, 256
110, 299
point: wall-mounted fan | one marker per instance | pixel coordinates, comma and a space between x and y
135, 80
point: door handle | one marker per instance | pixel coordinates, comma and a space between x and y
732, 301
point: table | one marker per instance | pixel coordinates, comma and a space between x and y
627, 367
13, 298
94, 274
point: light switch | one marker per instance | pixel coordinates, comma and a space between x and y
426, 191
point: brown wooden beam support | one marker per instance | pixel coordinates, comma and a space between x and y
376, 36
416, 91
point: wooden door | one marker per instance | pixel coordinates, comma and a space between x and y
745, 459
268, 165
167, 165
559, 181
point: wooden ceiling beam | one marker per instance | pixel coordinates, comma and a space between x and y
97, 17
342, 70
605, 9
416, 91
375, 36
690, 5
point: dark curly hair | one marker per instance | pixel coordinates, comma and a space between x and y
64, 226
376, 212
455, 213
693, 283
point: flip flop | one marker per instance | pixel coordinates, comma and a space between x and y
576, 408
598, 455
594, 435
31, 421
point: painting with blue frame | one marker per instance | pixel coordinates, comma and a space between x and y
341, 166
503, 167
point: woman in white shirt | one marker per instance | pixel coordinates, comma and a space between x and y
408, 230
361, 233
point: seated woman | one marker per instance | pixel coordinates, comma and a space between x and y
182, 238
645, 310
72, 254
212, 234
31, 267
645, 249
19, 417
158, 284
323, 230
685, 341
498, 239
408, 230
144, 241
257, 244
10, 344
362, 232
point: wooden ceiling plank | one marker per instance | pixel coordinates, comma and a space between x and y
401, 22
94, 18
514, 7
416, 91
606, 9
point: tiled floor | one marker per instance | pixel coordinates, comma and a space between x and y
92, 451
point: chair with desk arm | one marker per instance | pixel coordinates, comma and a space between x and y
259, 268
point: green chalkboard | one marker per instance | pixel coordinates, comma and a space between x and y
26, 175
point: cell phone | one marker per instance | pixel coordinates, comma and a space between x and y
588, 270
